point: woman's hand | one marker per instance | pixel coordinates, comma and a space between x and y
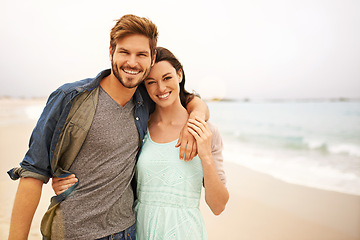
60, 185
202, 134
216, 194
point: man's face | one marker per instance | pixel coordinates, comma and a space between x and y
131, 60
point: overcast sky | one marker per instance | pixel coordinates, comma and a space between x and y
231, 49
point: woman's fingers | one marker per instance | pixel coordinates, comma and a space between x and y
194, 150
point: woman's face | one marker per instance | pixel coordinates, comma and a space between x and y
162, 84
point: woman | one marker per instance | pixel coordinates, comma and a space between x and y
168, 189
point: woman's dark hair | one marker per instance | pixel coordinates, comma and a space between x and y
163, 54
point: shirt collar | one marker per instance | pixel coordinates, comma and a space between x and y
138, 99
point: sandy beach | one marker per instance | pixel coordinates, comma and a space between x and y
264, 208
260, 206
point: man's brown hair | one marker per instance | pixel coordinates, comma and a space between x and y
131, 24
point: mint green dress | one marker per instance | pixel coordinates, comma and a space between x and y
168, 191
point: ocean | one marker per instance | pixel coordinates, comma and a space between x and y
314, 144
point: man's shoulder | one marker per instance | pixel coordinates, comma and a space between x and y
84, 84
77, 85
142, 96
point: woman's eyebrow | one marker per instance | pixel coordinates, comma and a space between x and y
166, 74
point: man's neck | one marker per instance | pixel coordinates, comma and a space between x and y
116, 90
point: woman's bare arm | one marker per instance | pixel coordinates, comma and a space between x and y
216, 194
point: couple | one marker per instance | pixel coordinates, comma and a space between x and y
95, 128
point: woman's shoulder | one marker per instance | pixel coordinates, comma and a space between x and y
216, 136
213, 128
216, 150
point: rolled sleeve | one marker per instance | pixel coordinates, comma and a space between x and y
216, 150
36, 162
19, 172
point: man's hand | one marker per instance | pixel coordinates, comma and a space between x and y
196, 108
201, 132
187, 143
60, 185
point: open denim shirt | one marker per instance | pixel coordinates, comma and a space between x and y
61, 131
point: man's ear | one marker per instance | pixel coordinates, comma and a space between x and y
153, 58
110, 54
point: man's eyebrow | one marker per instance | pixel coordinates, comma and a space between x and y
144, 52
140, 52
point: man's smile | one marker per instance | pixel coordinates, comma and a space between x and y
131, 71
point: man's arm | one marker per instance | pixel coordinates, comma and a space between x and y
188, 148
26, 201
197, 107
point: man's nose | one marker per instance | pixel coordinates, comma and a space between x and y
132, 61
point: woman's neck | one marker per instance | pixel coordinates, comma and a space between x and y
165, 123
169, 115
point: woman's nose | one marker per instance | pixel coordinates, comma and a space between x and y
162, 86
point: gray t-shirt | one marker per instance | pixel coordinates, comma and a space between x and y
102, 203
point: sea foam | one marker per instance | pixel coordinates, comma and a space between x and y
33, 112
300, 170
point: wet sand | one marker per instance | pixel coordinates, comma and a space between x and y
264, 208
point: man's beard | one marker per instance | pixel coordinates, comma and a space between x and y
115, 70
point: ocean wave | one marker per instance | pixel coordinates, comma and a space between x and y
349, 149
300, 170
315, 144
324, 145
343, 148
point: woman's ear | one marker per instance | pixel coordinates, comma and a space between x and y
180, 75
153, 58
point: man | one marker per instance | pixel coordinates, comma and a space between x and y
94, 129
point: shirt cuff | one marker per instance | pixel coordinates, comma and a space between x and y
18, 172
